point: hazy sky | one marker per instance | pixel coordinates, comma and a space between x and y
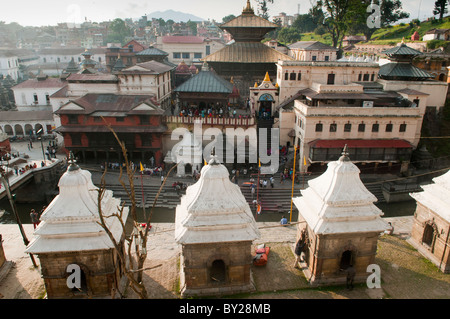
50, 12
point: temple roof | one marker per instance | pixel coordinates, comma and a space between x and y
92, 103
338, 202
214, 210
247, 52
248, 19
403, 70
70, 221
205, 81
402, 49
435, 196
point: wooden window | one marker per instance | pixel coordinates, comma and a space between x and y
333, 127
375, 127
319, 127
347, 127
361, 127
402, 127
389, 127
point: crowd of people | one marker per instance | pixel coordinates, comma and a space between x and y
216, 111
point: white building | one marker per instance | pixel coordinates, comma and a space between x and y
36, 92
9, 64
190, 49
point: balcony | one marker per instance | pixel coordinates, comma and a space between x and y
229, 121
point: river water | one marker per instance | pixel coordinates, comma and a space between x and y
165, 215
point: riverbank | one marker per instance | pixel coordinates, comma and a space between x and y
405, 274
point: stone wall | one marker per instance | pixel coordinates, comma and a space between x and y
101, 269
196, 268
438, 252
324, 255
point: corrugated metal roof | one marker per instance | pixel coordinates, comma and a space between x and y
151, 67
117, 128
92, 77
6, 116
402, 70
206, 81
247, 52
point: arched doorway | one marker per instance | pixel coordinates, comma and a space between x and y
188, 169
28, 129
218, 271
18, 129
265, 105
346, 259
8, 130
428, 235
37, 127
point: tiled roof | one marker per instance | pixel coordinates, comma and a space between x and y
6, 116
35, 84
92, 78
206, 81
412, 92
151, 67
152, 51
247, 52
93, 102
117, 129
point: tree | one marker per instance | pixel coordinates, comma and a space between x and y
119, 31
192, 26
228, 18
390, 12
440, 7
337, 15
132, 267
263, 11
304, 23
289, 35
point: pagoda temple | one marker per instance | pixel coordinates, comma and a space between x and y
401, 68
247, 59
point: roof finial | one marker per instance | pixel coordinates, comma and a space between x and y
72, 163
345, 154
267, 77
213, 160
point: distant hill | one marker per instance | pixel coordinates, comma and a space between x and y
174, 15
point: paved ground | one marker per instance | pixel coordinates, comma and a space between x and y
396, 258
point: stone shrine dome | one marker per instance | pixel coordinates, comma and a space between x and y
338, 202
436, 196
214, 210
70, 222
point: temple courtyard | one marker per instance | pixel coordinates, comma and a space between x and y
405, 274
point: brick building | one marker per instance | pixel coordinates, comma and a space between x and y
137, 119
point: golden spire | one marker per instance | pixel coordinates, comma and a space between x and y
256, 84
267, 78
248, 9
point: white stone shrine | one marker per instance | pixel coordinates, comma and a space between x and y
69, 234
215, 226
342, 224
431, 227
